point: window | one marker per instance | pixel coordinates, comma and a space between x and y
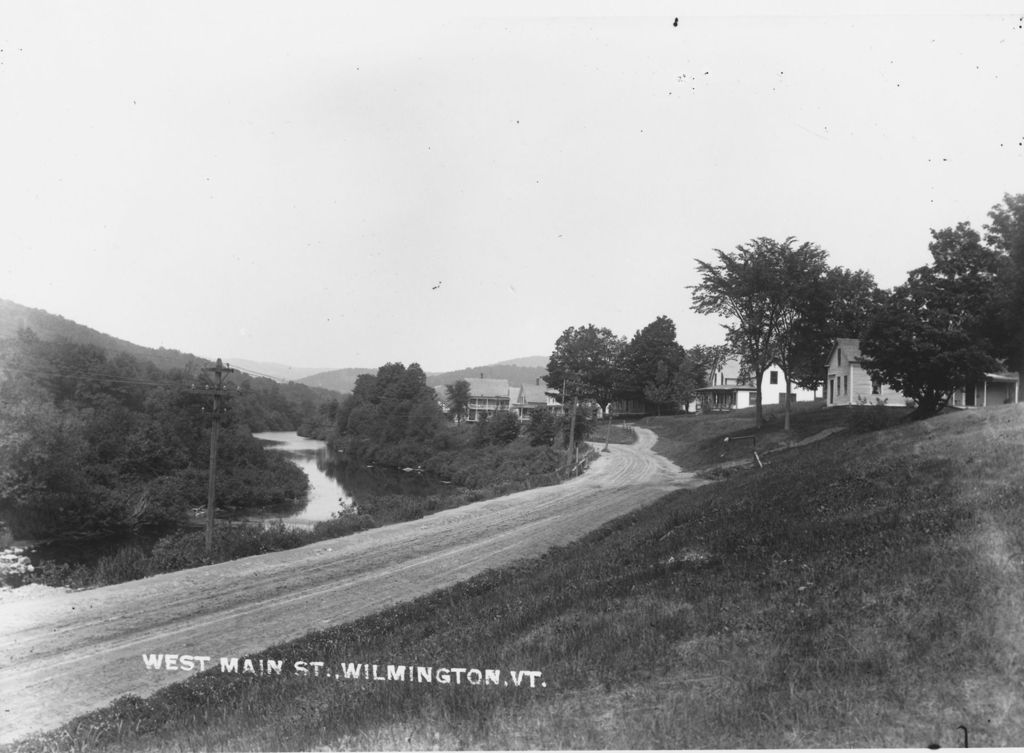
839, 358
846, 385
773, 377
876, 386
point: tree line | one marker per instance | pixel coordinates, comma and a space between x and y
950, 322
97, 445
783, 303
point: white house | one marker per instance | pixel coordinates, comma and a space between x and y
490, 396
847, 383
730, 389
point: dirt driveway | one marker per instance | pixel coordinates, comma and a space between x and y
64, 654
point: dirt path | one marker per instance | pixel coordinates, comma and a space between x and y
67, 653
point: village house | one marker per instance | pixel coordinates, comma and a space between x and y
490, 396
731, 389
848, 383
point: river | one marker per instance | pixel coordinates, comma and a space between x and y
336, 485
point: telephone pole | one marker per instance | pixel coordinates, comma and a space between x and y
217, 391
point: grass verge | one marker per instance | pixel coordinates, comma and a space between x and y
862, 591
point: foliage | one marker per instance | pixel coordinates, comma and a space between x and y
738, 288
934, 333
93, 445
458, 399
503, 427
15, 566
484, 466
1005, 234
392, 418
656, 368
585, 364
541, 427
843, 305
187, 549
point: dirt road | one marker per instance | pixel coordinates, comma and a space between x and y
67, 653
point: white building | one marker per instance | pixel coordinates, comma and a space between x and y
847, 383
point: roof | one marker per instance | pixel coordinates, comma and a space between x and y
535, 393
1006, 376
488, 387
850, 347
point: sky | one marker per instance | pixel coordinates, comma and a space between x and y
325, 184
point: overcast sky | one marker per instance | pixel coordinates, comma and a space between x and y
317, 186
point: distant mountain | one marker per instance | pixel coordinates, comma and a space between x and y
339, 380
516, 371
513, 373
531, 361
47, 326
276, 370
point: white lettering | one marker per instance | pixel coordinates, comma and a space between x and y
229, 664
396, 672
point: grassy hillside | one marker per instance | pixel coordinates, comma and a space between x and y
865, 590
47, 326
695, 442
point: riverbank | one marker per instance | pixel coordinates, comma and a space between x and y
488, 472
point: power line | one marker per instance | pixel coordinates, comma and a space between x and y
95, 377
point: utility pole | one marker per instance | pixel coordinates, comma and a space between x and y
217, 391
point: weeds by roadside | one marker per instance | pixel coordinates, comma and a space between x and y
183, 550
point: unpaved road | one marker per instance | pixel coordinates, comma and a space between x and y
63, 654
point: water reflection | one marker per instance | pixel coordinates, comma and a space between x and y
336, 484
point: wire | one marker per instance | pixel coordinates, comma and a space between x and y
96, 377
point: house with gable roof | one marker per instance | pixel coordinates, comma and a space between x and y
732, 389
848, 383
490, 396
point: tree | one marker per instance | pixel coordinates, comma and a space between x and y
707, 361
933, 334
843, 306
1005, 234
584, 365
689, 377
797, 284
739, 288
458, 399
650, 363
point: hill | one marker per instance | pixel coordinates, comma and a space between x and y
861, 591
530, 361
14, 316
339, 380
513, 373
343, 380
273, 370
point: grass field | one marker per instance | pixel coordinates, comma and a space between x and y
865, 590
